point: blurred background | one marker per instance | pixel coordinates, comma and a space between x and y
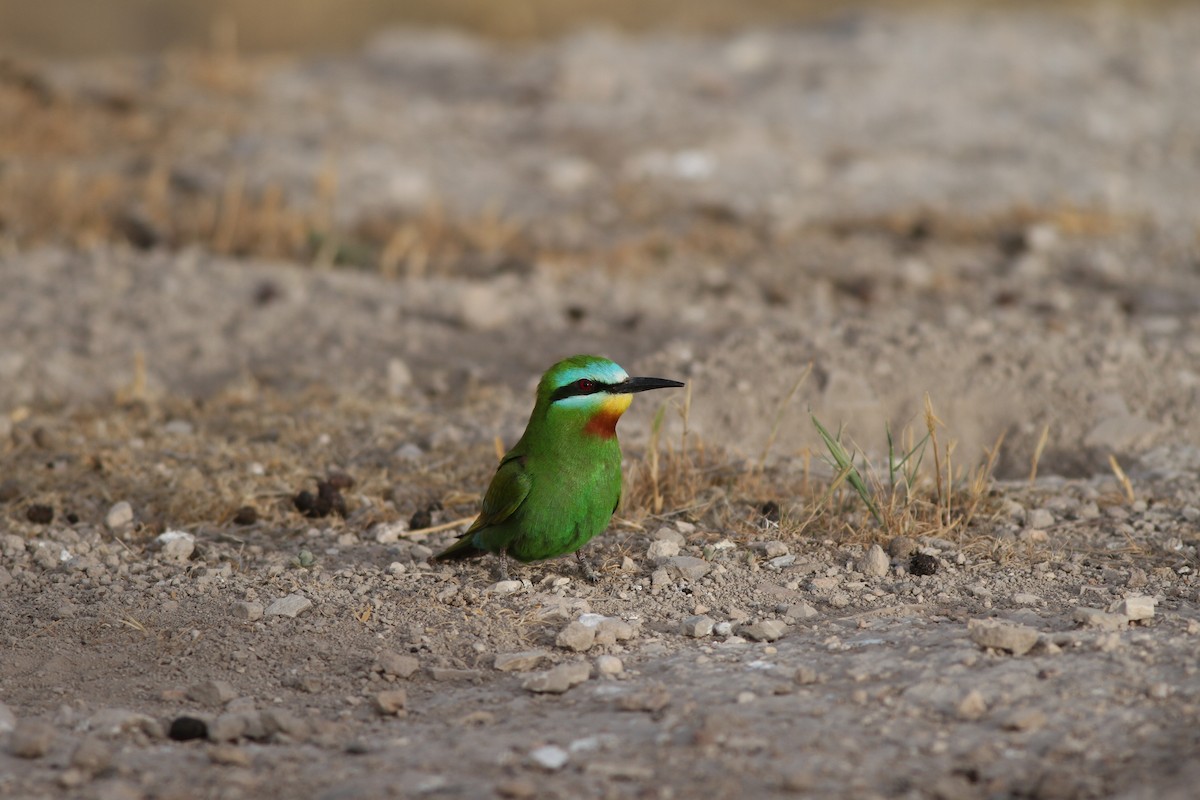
85, 27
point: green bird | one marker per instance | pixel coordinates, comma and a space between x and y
560, 484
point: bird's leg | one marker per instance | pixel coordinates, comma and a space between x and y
586, 568
503, 555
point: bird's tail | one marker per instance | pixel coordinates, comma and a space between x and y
463, 548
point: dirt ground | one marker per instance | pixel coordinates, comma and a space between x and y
228, 280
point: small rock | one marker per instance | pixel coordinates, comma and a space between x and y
782, 561
972, 706
669, 534
1016, 639
282, 721
248, 611
662, 549
611, 630
652, 699
391, 702
1026, 599
772, 549
398, 665
92, 755
228, 755
176, 546
901, 547
31, 738
1039, 518
697, 626
874, 562
767, 630
245, 515
505, 587
607, 665
523, 661
111, 722
184, 729
801, 610
517, 788
576, 636
445, 674
550, 757
389, 532
8, 720
688, 567
559, 679
119, 517
231, 726
1136, 608
1099, 618
1025, 719
40, 514
806, 675
290, 606
212, 693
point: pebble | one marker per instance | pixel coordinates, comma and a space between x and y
228, 755
723, 628
1016, 639
523, 661
391, 702
505, 587
111, 722
611, 630
1026, 599
559, 679
874, 562
662, 549
806, 675
292, 605
92, 755
901, 546
772, 549
609, 665
119, 517
282, 721
176, 546
212, 693
31, 738
231, 726
389, 532
669, 534
688, 567
184, 729
767, 630
651, 699
1039, 518
518, 788
454, 674
972, 706
697, 626
397, 664
801, 610
1099, 618
577, 636
8, 720
248, 611
1136, 608
550, 757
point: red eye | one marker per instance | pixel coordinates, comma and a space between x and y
585, 385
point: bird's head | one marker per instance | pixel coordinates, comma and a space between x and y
594, 390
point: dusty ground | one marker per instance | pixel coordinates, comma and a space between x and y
226, 279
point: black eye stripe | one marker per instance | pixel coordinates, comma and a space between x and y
573, 389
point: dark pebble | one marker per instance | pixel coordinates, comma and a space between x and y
40, 514
770, 511
923, 564
246, 515
184, 729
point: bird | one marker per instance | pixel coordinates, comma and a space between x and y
560, 484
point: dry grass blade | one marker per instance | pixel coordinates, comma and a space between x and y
845, 464
1122, 478
1037, 452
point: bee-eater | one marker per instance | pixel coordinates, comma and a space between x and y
560, 484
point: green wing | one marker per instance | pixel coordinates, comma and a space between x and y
505, 494
507, 491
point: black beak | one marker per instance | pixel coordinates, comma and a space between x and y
634, 385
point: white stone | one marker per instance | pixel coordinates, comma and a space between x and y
290, 606
609, 665
550, 757
1016, 639
176, 545
874, 562
1137, 608
119, 517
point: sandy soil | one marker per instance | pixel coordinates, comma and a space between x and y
225, 280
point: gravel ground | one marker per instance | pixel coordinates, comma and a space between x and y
994, 209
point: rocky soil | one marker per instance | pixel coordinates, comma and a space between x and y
230, 281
